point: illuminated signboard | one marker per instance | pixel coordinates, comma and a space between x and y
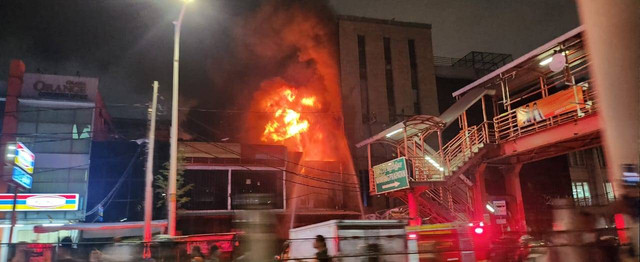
391, 175
58, 87
40, 202
21, 177
24, 158
500, 207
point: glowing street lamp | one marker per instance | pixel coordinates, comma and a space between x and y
173, 160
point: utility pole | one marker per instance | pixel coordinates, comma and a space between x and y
173, 157
148, 189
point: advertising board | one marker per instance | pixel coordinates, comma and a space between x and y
556, 104
24, 158
22, 178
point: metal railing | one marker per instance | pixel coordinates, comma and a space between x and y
432, 211
468, 142
507, 128
454, 201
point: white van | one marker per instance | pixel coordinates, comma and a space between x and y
351, 240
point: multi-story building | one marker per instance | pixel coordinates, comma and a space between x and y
57, 118
386, 75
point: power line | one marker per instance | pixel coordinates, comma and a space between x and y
287, 171
312, 178
40, 171
124, 175
276, 157
278, 168
328, 181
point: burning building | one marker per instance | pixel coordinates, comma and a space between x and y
293, 147
313, 84
231, 178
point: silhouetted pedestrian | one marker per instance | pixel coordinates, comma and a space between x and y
321, 245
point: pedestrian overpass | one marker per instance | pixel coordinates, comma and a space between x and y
539, 106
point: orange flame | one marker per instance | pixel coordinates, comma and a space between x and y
309, 101
287, 121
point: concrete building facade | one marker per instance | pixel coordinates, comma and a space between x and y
387, 74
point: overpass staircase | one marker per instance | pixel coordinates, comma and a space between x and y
442, 178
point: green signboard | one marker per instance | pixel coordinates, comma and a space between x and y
391, 175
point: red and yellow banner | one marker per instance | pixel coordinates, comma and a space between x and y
556, 104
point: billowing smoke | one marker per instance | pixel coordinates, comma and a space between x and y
298, 37
285, 75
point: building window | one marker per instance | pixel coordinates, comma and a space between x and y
388, 73
608, 190
258, 188
600, 156
576, 159
414, 77
364, 89
209, 191
581, 193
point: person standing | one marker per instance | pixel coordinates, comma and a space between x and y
321, 245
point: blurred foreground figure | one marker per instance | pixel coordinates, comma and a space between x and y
64, 251
612, 41
214, 254
119, 251
257, 243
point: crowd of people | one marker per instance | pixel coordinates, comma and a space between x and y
67, 251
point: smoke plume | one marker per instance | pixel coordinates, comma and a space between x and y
299, 39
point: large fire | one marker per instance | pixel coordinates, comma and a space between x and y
292, 48
299, 104
293, 116
287, 121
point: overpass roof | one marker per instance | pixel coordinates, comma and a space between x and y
525, 61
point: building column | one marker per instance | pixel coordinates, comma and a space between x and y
612, 40
9, 129
414, 209
10, 118
479, 193
516, 207
599, 194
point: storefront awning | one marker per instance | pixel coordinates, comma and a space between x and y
105, 230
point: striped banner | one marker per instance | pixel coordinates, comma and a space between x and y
40, 202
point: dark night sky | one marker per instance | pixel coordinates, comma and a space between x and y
460, 26
129, 43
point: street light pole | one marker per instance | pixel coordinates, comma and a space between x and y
148, 187
173, 161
